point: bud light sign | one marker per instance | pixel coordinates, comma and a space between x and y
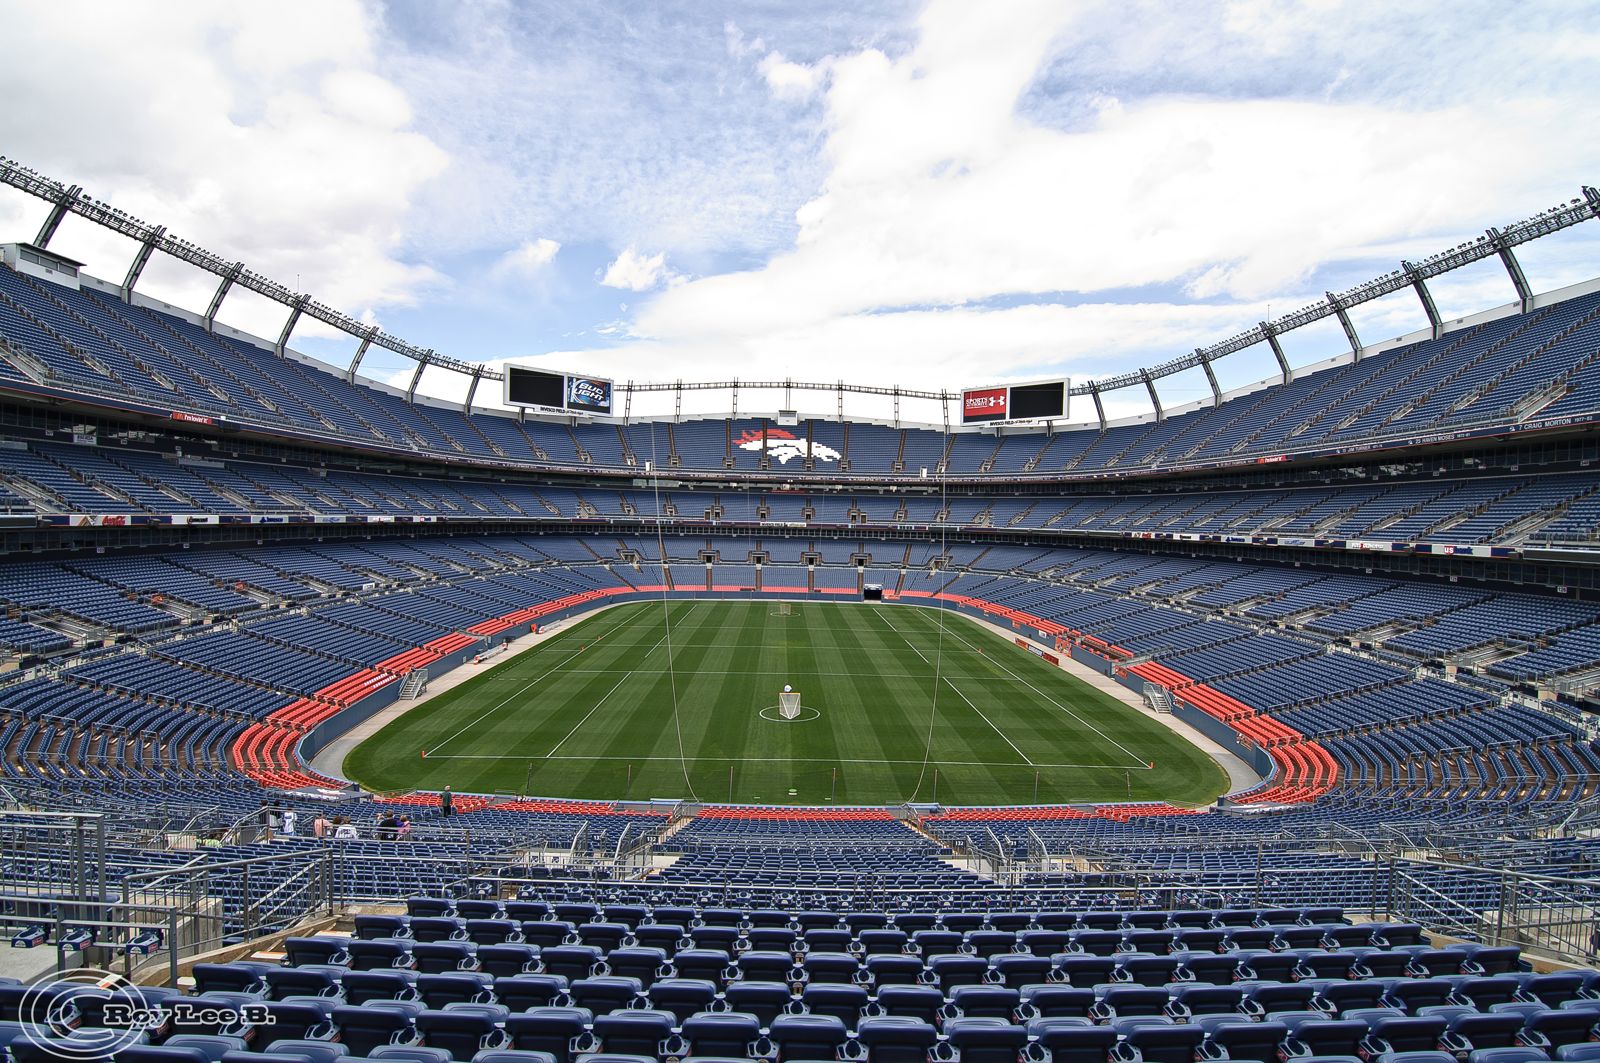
588, 394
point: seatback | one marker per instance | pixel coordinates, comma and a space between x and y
524, 991
807, 1037
554, 1030
987, 1040
686, 996
983, 1001
844, 1002
1166, 1044
361, 987
605, 993
728, 1033
897, 1039
1077, 1044
1410, 1033
363, 1028
1249, 1040
639, 1032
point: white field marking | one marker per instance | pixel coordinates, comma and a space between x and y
614, 689
780, 642
990, 722
1003, 737
770, 760
905, 640
741, 671
524, 688
588, 714
1143, 761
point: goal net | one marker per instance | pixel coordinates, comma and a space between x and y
789, 704
783, 609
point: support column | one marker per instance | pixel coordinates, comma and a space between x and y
361, 352
1277, 350
58, 210
416, 378
222, 293
472, 389
141, 258
1508, 258
1211, 376
1155, 400
1346, 324
1099, 407
1421, 288
295, 308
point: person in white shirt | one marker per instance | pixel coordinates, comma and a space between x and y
343, 829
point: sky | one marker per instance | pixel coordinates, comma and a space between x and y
925, 195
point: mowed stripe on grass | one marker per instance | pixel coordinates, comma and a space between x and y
589, 713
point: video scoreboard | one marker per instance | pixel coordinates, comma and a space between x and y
1034, 401
563, 392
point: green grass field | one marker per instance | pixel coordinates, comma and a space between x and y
589, 713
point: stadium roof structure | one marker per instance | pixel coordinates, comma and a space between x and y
1495, 242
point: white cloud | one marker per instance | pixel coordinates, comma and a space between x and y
528, 259
791, 81
269, 135
935, 250
942, 195
635, 272
917, 205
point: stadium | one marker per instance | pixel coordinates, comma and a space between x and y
340, 720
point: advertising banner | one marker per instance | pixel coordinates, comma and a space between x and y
983, 404
588, 394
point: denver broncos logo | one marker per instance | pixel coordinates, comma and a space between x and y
783, 445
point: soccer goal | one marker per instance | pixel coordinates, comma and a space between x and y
782, 609
789, 704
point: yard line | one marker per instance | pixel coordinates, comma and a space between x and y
734, 671
1143, 763
588, 714
767, 760
613, 690
505, 700
497, 706
990, 722
905, 640
983, 715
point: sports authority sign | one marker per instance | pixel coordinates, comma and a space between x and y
783, 445
984, 404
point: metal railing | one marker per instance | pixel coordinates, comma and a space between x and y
1549, 914
53, 853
